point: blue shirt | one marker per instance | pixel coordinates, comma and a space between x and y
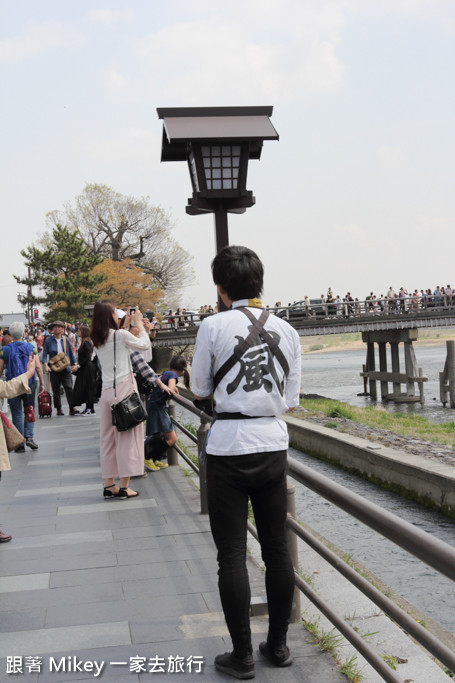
6, 350
158, 396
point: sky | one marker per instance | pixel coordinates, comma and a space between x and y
358, 193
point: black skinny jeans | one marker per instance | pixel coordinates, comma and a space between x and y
231, 480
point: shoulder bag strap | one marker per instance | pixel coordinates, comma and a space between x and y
258, 327
115, 368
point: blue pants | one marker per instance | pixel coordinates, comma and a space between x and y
231, 481
17, 405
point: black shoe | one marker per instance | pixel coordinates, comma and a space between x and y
107, 493
237, 667
277, 654
123, 493
31, 444
20, 449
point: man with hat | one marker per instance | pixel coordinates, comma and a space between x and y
56, 343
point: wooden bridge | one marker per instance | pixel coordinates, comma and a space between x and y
353, 317
392, 324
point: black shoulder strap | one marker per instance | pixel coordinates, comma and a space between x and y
257, 330
258, 326
271, 343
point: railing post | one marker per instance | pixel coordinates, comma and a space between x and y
296, 613
201, 438
172, 455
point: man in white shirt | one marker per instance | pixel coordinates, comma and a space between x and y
253, 376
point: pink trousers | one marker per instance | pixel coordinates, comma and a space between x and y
121, 453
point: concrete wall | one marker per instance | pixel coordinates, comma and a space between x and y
423, 479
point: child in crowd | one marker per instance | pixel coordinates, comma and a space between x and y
160, 434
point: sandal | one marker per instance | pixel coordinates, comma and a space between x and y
110, 494
123, 493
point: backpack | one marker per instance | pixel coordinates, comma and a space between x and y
17, 359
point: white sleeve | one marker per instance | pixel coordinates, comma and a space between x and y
140, 343
292, 391
201, 367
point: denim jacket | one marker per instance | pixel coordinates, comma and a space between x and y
50, 350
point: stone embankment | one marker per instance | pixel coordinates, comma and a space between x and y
415, 468
414, 446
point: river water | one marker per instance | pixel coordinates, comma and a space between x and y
336, 374
419, 584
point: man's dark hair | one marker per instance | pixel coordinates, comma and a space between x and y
239, 271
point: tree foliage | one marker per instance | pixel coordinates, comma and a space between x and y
126, 284
115, 227
62, 271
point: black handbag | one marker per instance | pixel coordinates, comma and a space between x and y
130, 411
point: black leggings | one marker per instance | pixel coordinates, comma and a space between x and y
231, 480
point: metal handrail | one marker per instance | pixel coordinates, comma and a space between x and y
430, 550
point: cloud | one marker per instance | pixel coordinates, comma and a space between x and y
280, 53
135, 146
114, 81
110, 17
349, 231
36, 39
391, 157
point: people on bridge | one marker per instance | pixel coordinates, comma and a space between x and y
246, 450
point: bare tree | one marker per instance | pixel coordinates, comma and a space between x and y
167, 262
114, 226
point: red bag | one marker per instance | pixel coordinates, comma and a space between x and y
29, 414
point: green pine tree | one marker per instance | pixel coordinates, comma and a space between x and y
61, 270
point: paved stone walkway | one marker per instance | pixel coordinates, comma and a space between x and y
126, 584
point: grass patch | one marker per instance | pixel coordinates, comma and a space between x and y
376, 417
328, 642
316, 347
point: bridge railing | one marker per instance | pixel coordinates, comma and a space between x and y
432, 551
318, 309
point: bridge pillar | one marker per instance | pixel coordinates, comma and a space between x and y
161, 358
447, 378
410, 377
383, 369
371, 367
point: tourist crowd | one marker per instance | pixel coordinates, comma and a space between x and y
392, 302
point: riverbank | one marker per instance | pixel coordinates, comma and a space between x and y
425, 474
353, 341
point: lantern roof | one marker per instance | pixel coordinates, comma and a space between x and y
210, 124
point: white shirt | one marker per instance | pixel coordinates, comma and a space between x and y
125, 343
249, 387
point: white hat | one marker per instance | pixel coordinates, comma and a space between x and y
120, 314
